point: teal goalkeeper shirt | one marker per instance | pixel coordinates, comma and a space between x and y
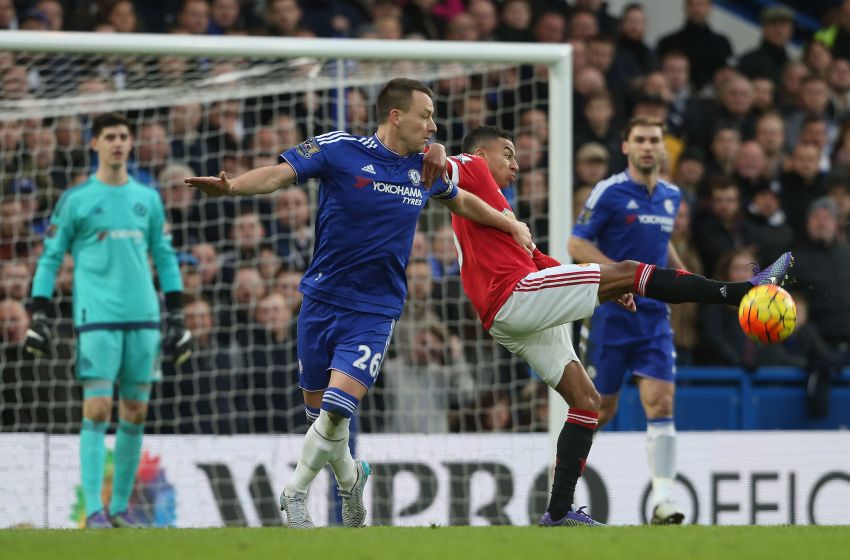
109, 231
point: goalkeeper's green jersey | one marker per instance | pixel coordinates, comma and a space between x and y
109, 231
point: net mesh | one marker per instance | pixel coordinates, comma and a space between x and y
241, 259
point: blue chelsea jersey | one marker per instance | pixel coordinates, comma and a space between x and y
628, 224
370, 199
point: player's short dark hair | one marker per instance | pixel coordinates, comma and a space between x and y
643, 121
397, 94
481, 135
106, 120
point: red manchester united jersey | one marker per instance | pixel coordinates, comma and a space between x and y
491, 262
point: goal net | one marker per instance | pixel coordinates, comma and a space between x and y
449, 426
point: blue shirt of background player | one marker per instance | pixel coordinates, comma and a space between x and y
626, 223
370, 199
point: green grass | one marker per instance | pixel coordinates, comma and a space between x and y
439, 543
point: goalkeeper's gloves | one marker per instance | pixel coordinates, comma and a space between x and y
178, 340
37, 341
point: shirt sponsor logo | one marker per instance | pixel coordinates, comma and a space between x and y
120, 234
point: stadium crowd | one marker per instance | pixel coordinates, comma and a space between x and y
758, 141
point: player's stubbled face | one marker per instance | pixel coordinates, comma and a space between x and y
644, 148
501, 159
113, 145
416, 125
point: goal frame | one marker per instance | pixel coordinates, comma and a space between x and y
557, 57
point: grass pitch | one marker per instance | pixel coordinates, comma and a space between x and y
438, 543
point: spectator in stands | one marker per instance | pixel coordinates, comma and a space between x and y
54, 11
802, 184
690, 175
841, 151
817, 58
8, 15
283, 18
193, 17
751, 171
684, 317
814, 103
288, 131
600, 55
418, 18
605, 22
530, 152
202, 396
735, 99
223, 132
533, 206
11, 136
152, 152
768, 59
515, 22
633, 57
184, 122
817, 132
583, 25
839, 192
818, 251
591, 164
767, 230
262, 148
356, 113
722, 340
15, 231
837, 36
550, 27
293, 232
725, 143
36, 394
34, 20
209, 266
266, 360
720, 225
246, 290
224, 18
428, 382
838, 78
764, 95
286, 284
15, 279
483, 12
770, 136
190, 273
121, 15
599, 126
684, 117
247, 236
443, 257
15, 83
706, 50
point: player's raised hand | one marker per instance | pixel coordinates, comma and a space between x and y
522, 235
628, 301
212, 186
433, 164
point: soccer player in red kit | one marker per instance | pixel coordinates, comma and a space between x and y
526, 302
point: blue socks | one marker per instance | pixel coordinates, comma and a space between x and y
337, 401
128, 449
92, 457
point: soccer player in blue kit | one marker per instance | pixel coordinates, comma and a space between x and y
371, 194
109, 224
629, 216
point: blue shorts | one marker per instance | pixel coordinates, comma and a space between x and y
608, 364
129, 356
331, 337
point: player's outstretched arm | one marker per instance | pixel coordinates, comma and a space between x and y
470, 206
261, 180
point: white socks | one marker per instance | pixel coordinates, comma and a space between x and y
661, 456
324, 443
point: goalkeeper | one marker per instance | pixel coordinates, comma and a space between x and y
109, 224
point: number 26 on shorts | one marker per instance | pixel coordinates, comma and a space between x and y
374, 365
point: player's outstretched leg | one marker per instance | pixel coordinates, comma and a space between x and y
678, 286
353, 508
574, 444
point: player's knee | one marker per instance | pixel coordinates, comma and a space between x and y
591, 401
660, 406
98, 409
134, 412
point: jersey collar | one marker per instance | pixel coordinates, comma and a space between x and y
385, 150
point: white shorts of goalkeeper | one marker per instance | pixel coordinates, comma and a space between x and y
533, 322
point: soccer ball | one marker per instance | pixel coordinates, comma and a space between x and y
767, 314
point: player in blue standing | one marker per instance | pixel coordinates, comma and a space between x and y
109, 224
629, 216
371, 193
